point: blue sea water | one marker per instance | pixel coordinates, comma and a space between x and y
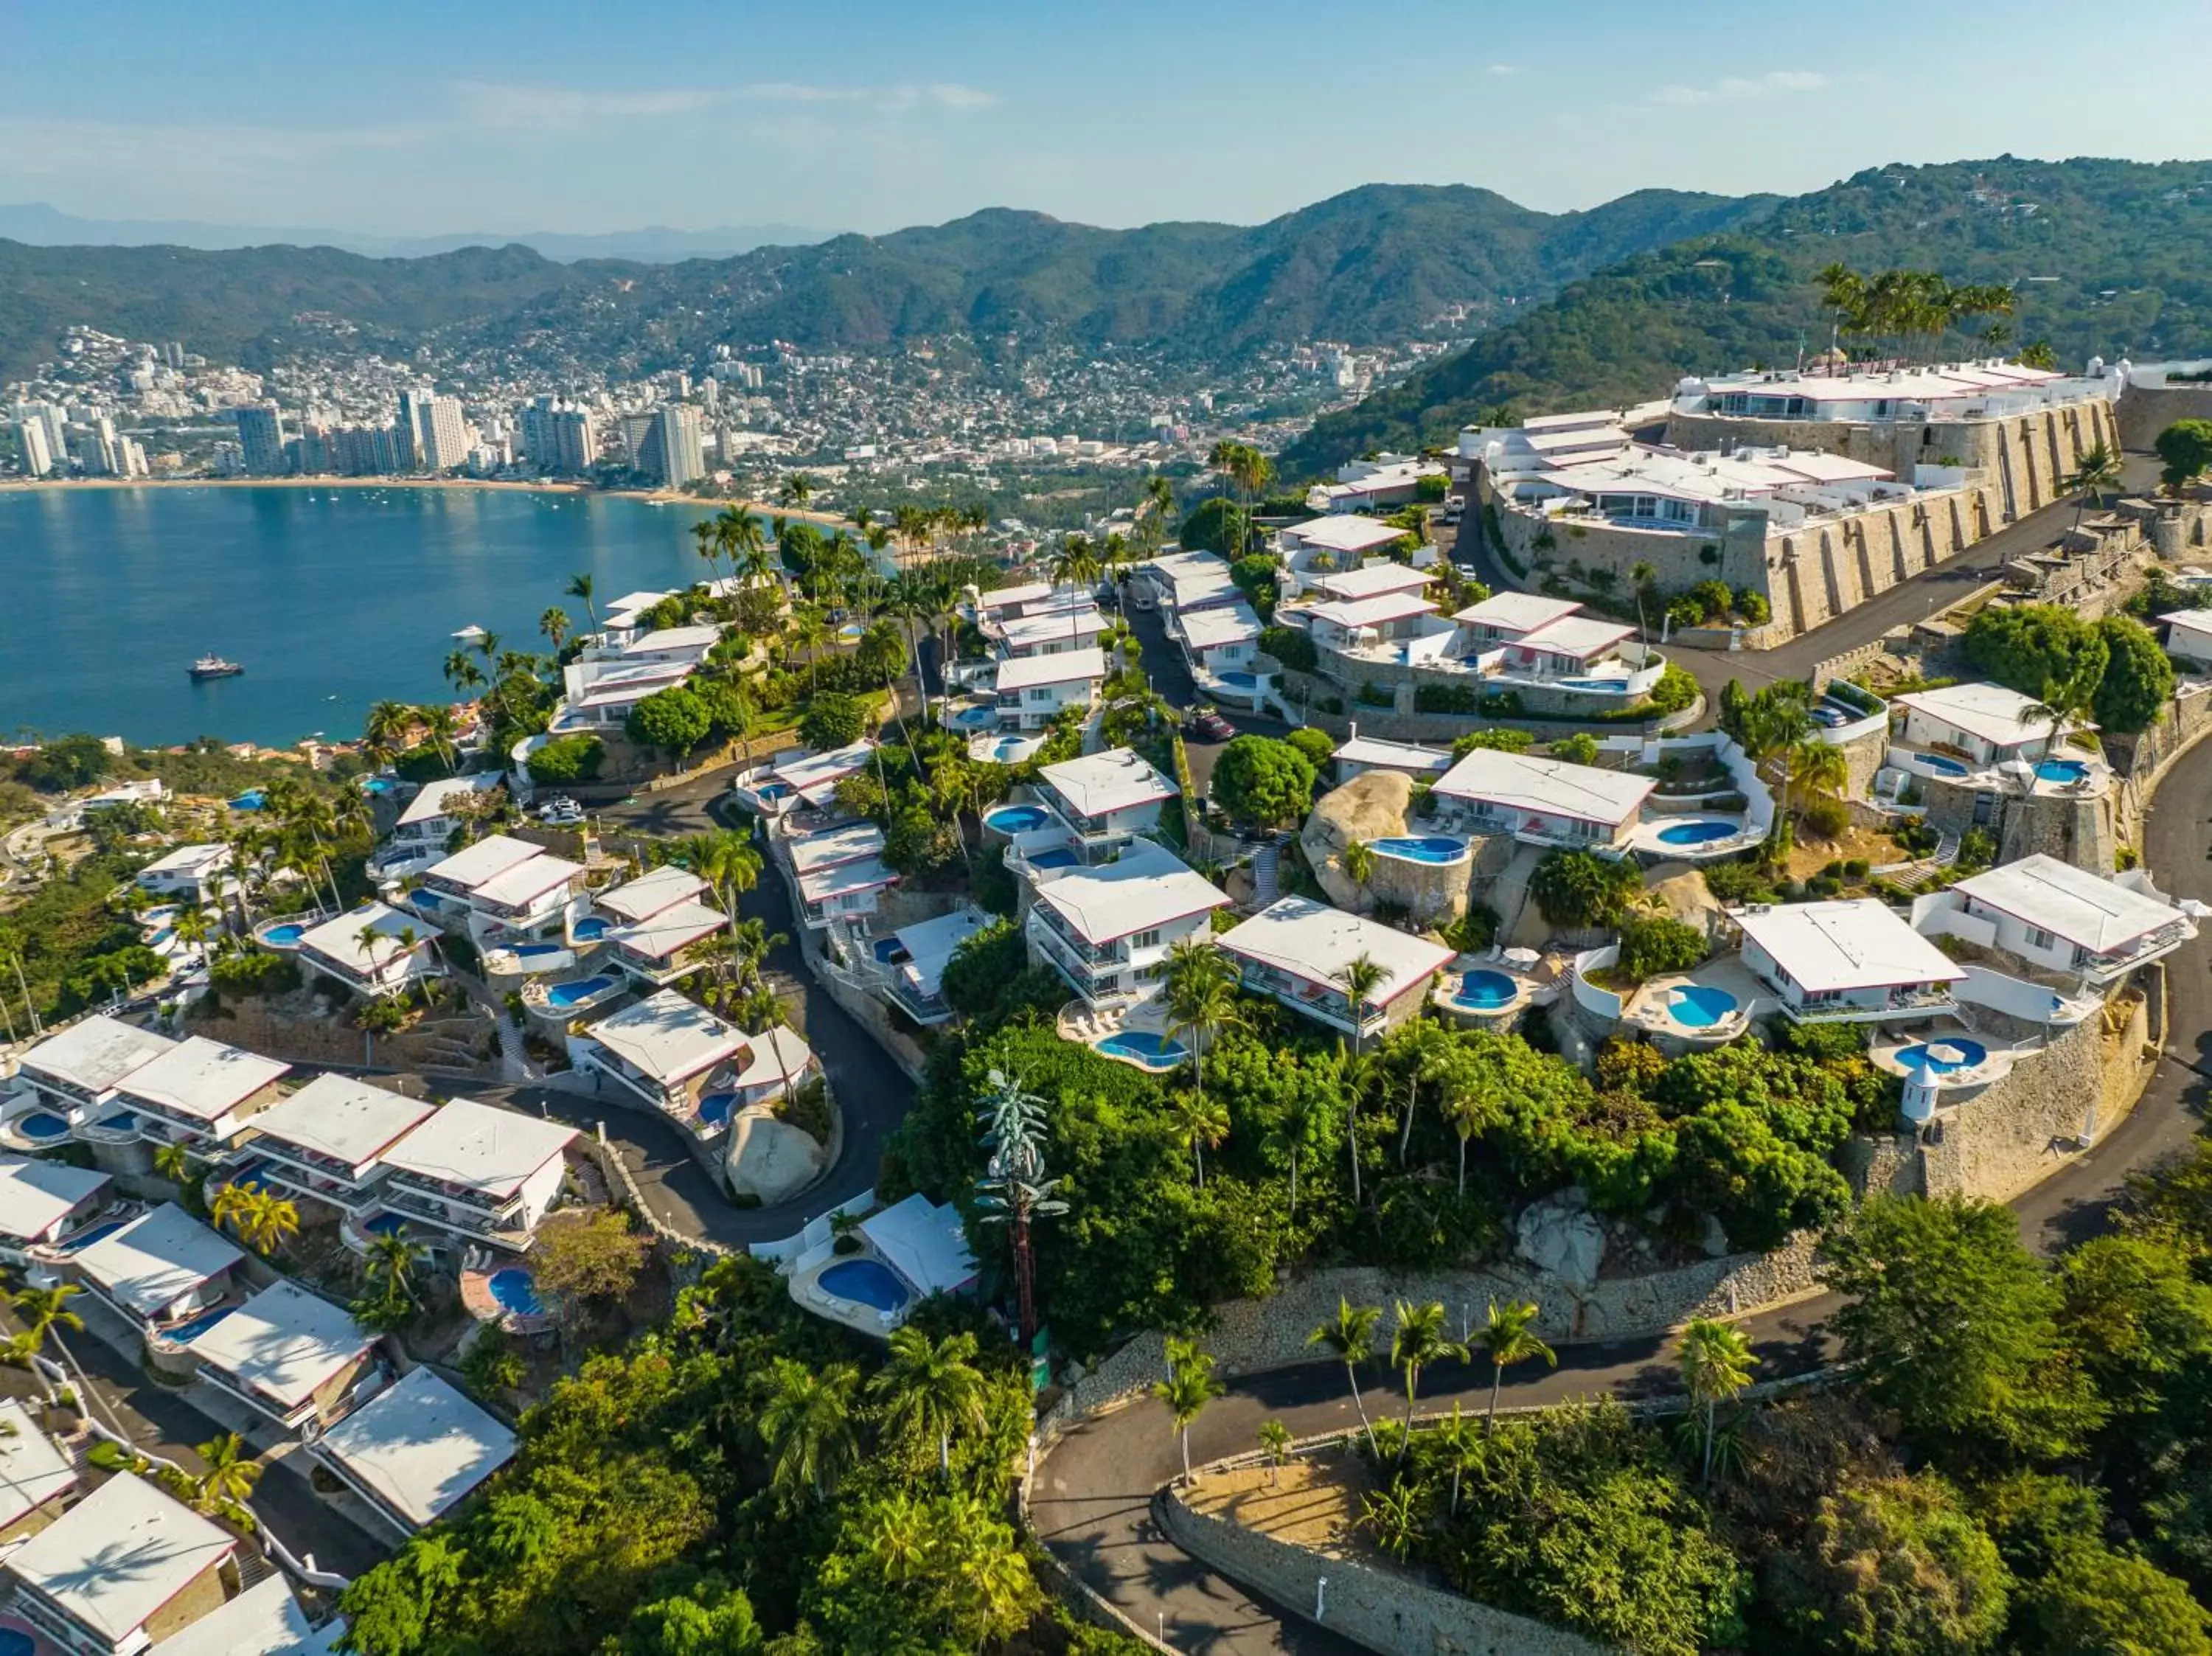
331, 598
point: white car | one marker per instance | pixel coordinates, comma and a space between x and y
561, 813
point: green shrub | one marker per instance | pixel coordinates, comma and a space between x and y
1753, 606
1502, 740
1314, 744
1580, 749
1740, 882
1372, 694
567, 760
1713, 598
1580, 889
832, 722
1447, 698
1676, 690
1825, 818
1652, 945
1290, 647
254, 972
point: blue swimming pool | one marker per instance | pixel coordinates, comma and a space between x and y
890, 951
1057, 857
1141, 1046
1421, 847
1485, 991
864, 1281
583, 989
379, 785
1011, 751
41, 1124
2061, 770
1937, 762
251, 799
120, 1121
852, 631
16, 1643
716, 1108
191, 1328
514, 1291
80, 1240
1016, 819
1696, 834
1699, 1005
283, 937
974, 718
1242, 680
1920, 1058
589, 929
537, 951
1615, 686
386, 1224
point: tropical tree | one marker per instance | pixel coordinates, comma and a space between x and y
1203, 1123
1716, 1363
1420, 1339
1469, 1099
579, 588
1643, 576
2064, 701
1198, 985
1509, 1336
806, 1422
555, 624
1349, 1337
229, 1477
1275, 1444
1357, 860
173, 1162
2099, 468
727, 862
1190, 1386
387, 730
1461, 1450
1359, 978
932, 1389
44, 1313
392, 1261
1393, 1517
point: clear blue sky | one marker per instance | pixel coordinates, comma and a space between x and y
406, 118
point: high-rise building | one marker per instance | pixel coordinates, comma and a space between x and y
130, 457
261, 437
575, 442
445, 436
31, 443
94, 445
674, 451
636, 431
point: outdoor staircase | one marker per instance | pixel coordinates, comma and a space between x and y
1266, 875
253, 1568
514, 1056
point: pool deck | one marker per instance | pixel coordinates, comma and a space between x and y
809, 1295
1645, 1012
1997, 1063
1644, 839
1533, 986
480, 1302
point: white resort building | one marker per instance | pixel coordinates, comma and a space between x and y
201, 1093
70, 1582
840, 871
373, 950
670, 1054
501, 891
194, 873
426, 825
1984, 724
1108, 929
161, 1268
654, 925
415, 1451
1296, 950
1031, 690
42, 1201
479, 1173
328, 1141
2055, 918
1548, 801
1101, 801
1325, 546
290, 1355
75, 1072
1848, 961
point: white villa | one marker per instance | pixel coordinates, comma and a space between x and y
1322, 546
42, 1201
673, 1055
33, 1473
1357, 755
1381, 625
1504, 618
483, 1173
426, 823
399, 953
1104, 800
911, 972
289, 1355
415, 1451
71, 1583
1183, 581
1032, 689
504, 891
328, 1140
606, 680
200, 1092
74, 1072
2188, 635
161, 1269
1220, 640
814, 777
1050, 633
191, 872
1108, 929
1363, 485
266, 1620
1294, 950
2053, 916
1539, 801
1986, 724
840, 870
1848, 961
658, 922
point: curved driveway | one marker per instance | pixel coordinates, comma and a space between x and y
1092, 1494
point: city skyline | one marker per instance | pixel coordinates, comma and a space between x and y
858, 116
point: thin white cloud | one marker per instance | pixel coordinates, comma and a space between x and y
954, 96
1738, 89
1505, 68
500, 104
798, 92
942, 94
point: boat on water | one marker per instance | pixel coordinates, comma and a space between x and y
214, 667
469, 634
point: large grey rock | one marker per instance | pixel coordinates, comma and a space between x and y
1561, 1238
769, 1158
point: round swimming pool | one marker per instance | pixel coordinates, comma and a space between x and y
1485, 991
1421, 847
378, 785
1695, 833
1242, 680
16, 1643
514, 1291
972, 719
590, 928
1699, 1005
1011, 751
1937, 762
864, 1281
41, 1124
287, 936
1057, 857
716, 1108
1016, 819
583, 989
2061, 770
1923, 1059
1142, 1046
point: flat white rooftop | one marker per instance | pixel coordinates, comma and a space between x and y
673, 930
774, 1054
932, 943
669, 1037
1850, 943
815, 773
156, 1258
844, 879
671, 639
1064, 627
1372, 581
36, 1195
849, 843
1577, 637
336, 1116
1520, 781
1998, 715
1209, 629
925, 1244
1516, 612
2083, 908
647, 895
339, 940
491, 856
1012, 598
420, 1445
96, 1052
1345, 532
201, 1079
1315, 942
266, 1620
434, 798
192, 860
478, 1146
32, 1471
528, 880
282, 1344
1146, 887
1378, 754
120, 1554
1068, 667
1373, 612
1099, 784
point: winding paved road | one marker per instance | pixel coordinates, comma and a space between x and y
1092, 1492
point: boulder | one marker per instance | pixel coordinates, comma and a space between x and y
1374, 806
1561, 1238
769, 1158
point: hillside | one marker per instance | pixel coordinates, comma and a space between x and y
2111, 258
1376, 264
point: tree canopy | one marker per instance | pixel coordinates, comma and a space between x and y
1262, 782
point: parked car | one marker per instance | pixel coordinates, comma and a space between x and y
560, 812
1208, 725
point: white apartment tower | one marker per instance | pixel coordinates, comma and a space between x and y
31, 441
261, 438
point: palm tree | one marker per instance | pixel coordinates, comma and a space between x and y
2098, 469
1357, 860
1469, 1105
796, 491
806, 1421
1204, 1124
1815, 766
389, 726
1716, 1363
1358, 977
228, 1206
1294, 1128
1074, 564
230, 1475
579, 588
1642, 576
392, 1261
1426, 1053
268, 1221
1198, 984
1350, 1335
45, 1312
554, 623
2064, 701
1509, 1336
1460, 1447
173, 1162
1275, 1444
932, 1389
1190, 1386
727, 862
1419, 1339
461, 671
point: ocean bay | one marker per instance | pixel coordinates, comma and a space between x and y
331, 597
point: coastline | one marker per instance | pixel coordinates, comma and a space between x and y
650, 496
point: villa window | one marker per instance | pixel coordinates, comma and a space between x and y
1043, 694
1146, 939
2039, 939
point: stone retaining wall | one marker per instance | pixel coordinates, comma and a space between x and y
1384, 1610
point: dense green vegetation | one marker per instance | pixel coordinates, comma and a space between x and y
2111, 671
1718, 304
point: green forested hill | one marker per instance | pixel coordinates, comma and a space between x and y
2110, 258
